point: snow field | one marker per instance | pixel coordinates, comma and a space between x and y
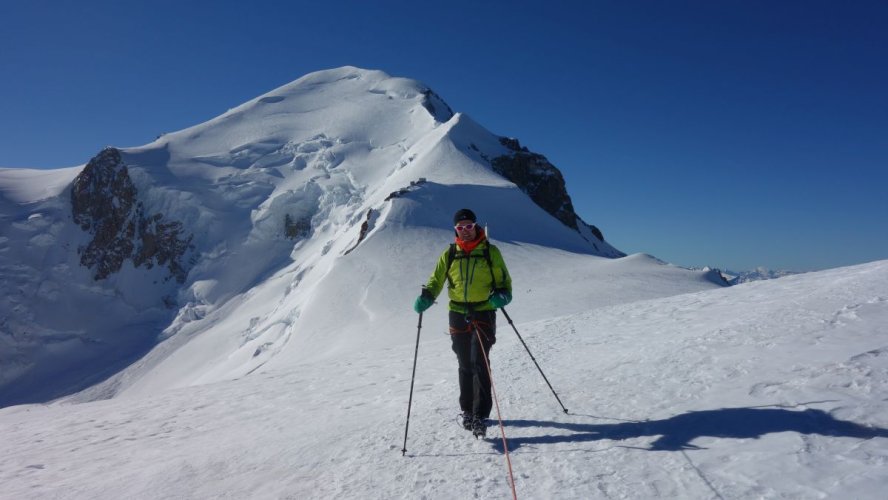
772, 389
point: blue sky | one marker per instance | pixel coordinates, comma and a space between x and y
733, 134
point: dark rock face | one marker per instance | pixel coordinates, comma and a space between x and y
538, 178
436, 106
594, 230
105, 204
365, 228
294, 229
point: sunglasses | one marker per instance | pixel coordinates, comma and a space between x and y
465, 227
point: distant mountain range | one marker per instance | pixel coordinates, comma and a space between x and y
757, 274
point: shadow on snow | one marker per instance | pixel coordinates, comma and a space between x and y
676, 433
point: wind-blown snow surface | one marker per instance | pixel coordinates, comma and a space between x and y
772, 389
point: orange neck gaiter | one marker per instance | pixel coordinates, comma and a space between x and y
468, 246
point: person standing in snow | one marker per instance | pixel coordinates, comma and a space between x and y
478, 283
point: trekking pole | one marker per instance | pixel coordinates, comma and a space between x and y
412, 378
503, 309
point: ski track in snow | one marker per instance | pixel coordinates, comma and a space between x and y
771, 389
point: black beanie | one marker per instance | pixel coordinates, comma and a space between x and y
464, 214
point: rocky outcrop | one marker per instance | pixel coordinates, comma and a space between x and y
365, 228
296, 228
594, 230
436, 106
538, 178
105, 204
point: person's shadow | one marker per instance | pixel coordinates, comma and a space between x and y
676, 433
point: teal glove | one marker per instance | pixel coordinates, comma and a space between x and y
424, 301
500, 298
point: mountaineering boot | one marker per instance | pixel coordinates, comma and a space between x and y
466, 418
479, 428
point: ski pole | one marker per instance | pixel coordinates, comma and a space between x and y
503, 309
412, 378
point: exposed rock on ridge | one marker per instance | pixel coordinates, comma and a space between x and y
540, 180
436, 106
105, 204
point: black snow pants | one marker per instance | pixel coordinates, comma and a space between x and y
474, 379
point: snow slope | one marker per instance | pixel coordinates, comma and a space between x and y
772, 389
330, 152
24, 186
59, 330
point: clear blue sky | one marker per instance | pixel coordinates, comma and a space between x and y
728, 133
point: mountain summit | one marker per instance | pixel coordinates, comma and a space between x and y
294, 223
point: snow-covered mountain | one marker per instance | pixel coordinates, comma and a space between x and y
228, 312
757, 274
285, 229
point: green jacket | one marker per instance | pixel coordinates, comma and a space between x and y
471, 281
